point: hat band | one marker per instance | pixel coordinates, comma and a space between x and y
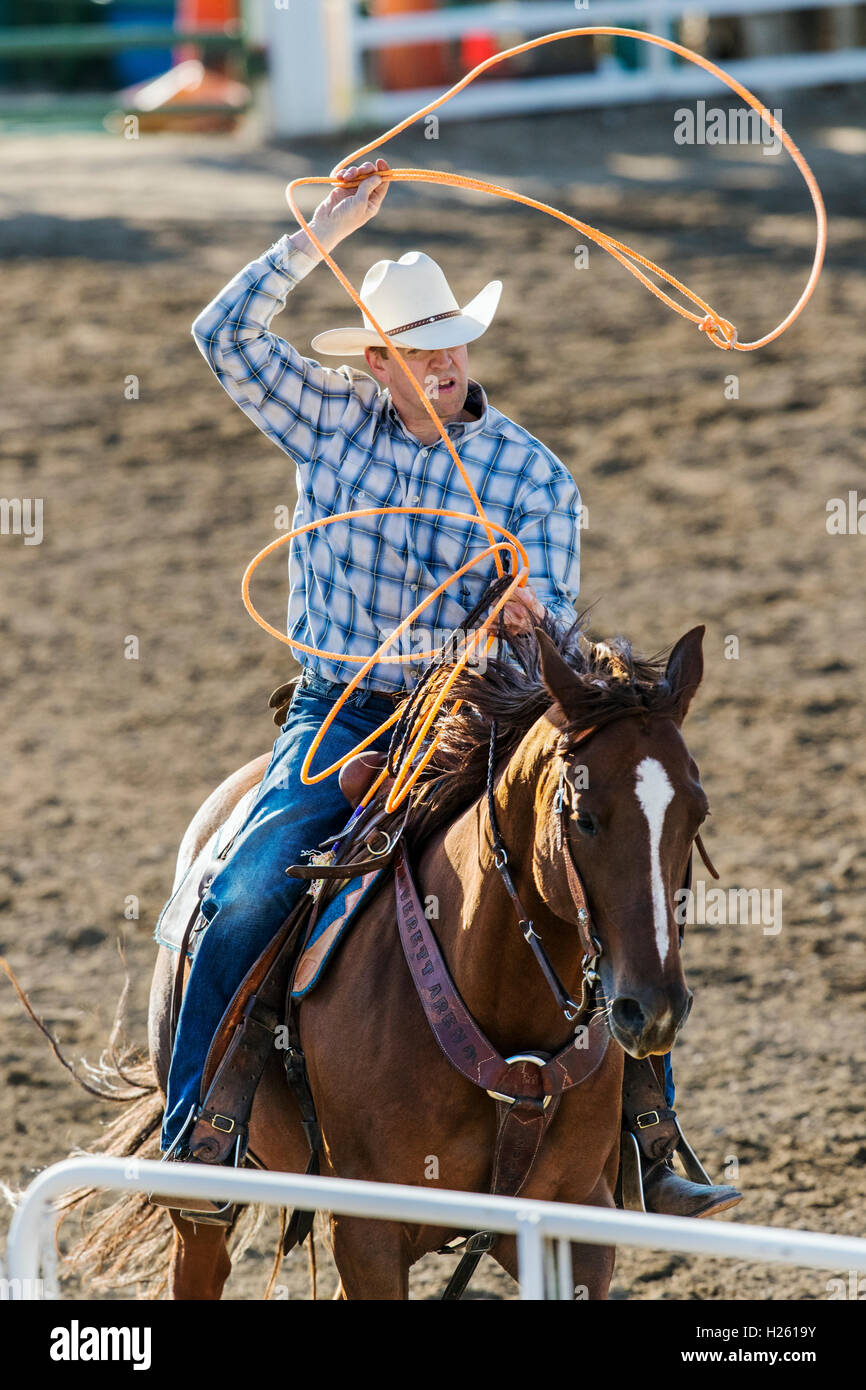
419, 323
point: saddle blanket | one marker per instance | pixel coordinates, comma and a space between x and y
334, 921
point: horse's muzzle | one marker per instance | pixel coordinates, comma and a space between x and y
649, 1023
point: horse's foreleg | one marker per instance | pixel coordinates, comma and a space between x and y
371, 1259
200, 1262
591, 1267
592, 1270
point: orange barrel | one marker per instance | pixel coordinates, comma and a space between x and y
410, 65
190, 15
475, 48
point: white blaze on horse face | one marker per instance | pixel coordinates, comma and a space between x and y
655, 793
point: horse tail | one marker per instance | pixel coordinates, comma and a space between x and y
129, 1242
130, 1231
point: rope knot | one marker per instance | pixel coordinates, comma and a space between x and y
711, 324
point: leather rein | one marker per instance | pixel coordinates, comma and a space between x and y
590, 978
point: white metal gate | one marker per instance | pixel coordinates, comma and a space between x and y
544, 1230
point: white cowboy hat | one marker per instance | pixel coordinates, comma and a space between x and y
414, 303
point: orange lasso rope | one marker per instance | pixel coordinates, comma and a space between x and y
719, 331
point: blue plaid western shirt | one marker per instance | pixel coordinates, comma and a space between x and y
352, 583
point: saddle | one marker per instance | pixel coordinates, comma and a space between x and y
245, 1036
380, 830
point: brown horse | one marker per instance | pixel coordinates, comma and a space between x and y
391, 1107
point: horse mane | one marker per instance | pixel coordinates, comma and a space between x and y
612, 682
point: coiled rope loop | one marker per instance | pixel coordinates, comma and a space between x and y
717, 329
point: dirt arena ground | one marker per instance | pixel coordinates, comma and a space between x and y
701, 509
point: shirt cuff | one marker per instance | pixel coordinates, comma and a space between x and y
287, 258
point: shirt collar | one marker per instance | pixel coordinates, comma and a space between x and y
476, 402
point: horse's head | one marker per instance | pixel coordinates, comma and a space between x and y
632, 803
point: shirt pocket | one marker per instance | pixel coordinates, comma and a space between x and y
354, 543
445, 545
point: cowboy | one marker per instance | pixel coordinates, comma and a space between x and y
362, 440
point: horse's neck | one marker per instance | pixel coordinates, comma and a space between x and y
477, 923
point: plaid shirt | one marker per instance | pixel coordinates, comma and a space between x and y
352, 584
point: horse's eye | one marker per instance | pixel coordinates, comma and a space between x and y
587, 823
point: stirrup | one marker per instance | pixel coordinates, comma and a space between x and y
168, 1154
205, 1216
216, 1216
692, 1165
631, 1189
630, 1174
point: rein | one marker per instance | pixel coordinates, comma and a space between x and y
592, 950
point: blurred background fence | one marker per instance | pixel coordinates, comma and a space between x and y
320, 66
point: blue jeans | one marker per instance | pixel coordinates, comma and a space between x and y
252, 895
670, 1093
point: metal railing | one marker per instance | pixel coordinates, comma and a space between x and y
544, 1230
56, 40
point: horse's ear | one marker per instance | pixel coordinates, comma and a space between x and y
685, 669
556, 673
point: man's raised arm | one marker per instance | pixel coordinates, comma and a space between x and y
291, 398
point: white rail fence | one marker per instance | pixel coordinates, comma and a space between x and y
316, 50
544, 1230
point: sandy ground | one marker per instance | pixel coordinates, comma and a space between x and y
701, 509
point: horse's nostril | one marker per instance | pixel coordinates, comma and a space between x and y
628, 1015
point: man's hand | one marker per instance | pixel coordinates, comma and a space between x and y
522, 610
344, 210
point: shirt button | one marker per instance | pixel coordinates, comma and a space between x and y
413, 587
416, 499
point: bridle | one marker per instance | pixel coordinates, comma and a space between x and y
590, 979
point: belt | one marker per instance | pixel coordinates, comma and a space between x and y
393, 697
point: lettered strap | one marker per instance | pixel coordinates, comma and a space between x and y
527, 1089
453, 1027
456, 1031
